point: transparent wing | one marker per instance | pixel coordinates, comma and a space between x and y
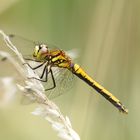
25, 46
64, 80
63, 77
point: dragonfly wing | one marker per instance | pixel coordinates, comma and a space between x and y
63, 77
25, 46
74, 53
64, 80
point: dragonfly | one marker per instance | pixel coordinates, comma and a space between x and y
50, 59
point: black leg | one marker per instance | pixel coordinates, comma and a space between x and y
34, 67
54, 84
46, 78
43, 72
38, 79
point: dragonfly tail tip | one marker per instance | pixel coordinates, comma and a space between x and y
124, 111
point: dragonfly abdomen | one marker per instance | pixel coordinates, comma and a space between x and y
79, 72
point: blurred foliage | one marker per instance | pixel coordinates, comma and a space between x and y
107, 34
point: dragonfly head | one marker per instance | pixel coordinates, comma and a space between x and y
40, 51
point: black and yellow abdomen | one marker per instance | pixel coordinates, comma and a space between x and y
79, 72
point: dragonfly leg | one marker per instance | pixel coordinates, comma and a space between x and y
54, 84
43, 72
37, 79
46, 78
34, 67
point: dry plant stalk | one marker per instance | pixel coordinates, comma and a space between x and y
34, 90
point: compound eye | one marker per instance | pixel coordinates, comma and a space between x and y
44, 48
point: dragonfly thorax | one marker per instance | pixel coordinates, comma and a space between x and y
60, 59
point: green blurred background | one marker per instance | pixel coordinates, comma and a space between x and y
107, 34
